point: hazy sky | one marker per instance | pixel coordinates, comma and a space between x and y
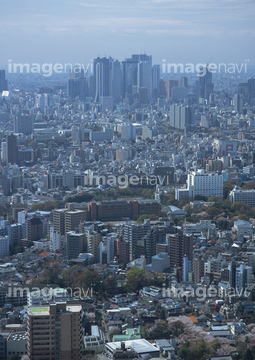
176, 30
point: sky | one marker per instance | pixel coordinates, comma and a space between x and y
186, 31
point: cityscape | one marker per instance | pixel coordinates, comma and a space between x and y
127, 180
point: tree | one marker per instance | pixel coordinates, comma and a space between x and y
176, 328
110, 285
141, 218
136, 279
70, 276
15, 357
87, 279
227, 187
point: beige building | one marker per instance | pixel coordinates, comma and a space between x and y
54, 332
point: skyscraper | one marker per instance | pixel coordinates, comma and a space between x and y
54, 332
101, 78
3, 81
137, 73
24, 123
238, 103
12, 149
155, 81
205, 86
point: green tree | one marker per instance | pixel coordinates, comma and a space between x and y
136, 279
88, 278
152, 217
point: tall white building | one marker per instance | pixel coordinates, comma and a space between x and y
200, 183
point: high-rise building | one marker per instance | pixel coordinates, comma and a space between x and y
154, 235
134, 233
34, 229
101, 78
77, 84
75, 244
24, 123
251, 84
93, 241
238, 103
73, 219
12, 150
155, 81
180, 245
180, 116
198, 268
59, 221
123, 250
144, 75
54, 332
136, 74
183, 81
204, 85
243, 277
3, 81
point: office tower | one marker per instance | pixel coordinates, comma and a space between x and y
12, 149
75, 244
243, 89
24, 123
183, 82
137, 73
251, 85
34, 229
129, 75
144, 75
155, 81
77, 84
180, 245
180, 116
238, 103
115, 80
204, 85
243, 277
101, 78
133, 234
54, 332
3, 81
